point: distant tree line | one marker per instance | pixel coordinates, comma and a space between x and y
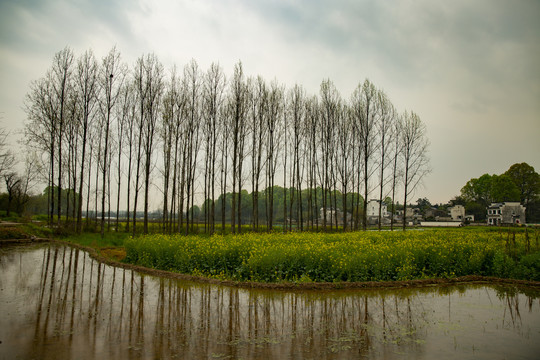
519, 183
107, 131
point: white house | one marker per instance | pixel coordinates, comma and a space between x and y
506, 213
373, 208
457, 212
372, 212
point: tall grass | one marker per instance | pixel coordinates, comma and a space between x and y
359, 256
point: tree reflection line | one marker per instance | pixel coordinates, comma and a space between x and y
199, 320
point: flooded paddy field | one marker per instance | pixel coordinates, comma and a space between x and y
58, 302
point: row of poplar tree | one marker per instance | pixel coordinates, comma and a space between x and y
106, 129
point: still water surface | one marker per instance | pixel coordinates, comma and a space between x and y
57, 302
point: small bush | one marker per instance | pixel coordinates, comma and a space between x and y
528, 267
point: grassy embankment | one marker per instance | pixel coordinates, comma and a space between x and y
321, 257
358, 256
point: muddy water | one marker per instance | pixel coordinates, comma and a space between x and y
56, 302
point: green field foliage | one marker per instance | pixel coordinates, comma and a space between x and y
111, 239
357, 256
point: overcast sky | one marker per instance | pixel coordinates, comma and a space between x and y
469, 69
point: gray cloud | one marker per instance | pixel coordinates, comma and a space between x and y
468, 68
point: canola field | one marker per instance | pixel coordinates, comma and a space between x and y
355, 256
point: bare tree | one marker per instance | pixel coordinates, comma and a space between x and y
284, 145
180, 142
330, 112
7, 163
40, 130
224, 160
297, 114
258, 113
344, 153
192, 83
141, 92
27, 181
61, 74
149, 88
154, 86
112, 75
415, 161
237, 111
7, 159
396, 171
312, 126
214, 85
12, 181
385, 127
86, 85
275, 112
364, 105
124, 127
167, 133
129, 115
92, 142
71, 135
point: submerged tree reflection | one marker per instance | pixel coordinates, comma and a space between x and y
79, 305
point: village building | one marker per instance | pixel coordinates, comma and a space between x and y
332, 214
431, 213
412, 215
457, 212
372, 213
373, 208
506, 213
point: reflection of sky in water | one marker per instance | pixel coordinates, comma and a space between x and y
83, 309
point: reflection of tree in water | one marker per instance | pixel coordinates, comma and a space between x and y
84, 306
197, 320
508, 295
